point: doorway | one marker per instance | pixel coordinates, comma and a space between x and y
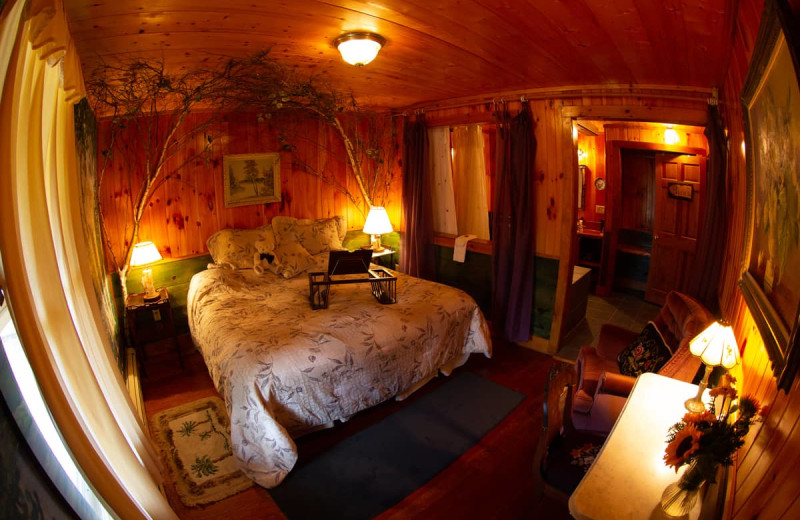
635, 233
658, 215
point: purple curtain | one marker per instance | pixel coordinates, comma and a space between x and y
704, 280
416, 251
513, 247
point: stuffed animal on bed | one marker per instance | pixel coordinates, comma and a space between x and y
262, 262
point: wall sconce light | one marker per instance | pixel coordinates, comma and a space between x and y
715, 346
377, 224
145, 253
359, 48
671, 136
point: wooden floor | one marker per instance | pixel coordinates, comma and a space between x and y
493, 480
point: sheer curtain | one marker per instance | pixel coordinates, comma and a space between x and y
469, 180
44, 268
513, 246
441, 180
416, 253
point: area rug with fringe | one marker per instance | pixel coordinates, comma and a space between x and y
195, 445
371, 471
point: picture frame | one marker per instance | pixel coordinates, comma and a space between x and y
770, 282
253, 178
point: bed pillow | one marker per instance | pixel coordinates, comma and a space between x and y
316, 236
236, 246
290, 259
648, 353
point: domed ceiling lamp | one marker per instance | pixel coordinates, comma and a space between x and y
359, 48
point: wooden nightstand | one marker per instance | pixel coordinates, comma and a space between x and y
384, 258
150, 321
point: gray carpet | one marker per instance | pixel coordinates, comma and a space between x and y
373, 470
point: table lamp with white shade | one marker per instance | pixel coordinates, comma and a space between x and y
377, 224
715, 346
145, 253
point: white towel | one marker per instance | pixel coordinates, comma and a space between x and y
460, 248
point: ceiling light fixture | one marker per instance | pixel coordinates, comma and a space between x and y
359, 48
671, 136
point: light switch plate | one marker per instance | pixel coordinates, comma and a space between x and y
600, 210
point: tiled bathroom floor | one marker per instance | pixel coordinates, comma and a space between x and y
628, 310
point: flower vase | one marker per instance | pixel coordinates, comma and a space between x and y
679, 498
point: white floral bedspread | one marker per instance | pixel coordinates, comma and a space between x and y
284, 369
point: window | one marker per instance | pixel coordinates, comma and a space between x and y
462, 166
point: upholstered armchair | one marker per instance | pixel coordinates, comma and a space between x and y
601, 390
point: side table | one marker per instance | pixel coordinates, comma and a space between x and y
150, 321
384, 257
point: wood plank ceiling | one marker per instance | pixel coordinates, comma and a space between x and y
436, 49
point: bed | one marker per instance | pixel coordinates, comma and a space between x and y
284, 369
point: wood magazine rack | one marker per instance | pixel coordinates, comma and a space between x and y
382, 283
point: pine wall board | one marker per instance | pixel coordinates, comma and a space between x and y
190, 206
766, 482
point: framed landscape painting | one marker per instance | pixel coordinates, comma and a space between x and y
251, 178
771, 106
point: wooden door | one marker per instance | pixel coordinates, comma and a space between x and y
679, 196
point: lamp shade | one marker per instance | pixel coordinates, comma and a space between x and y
377, 222
144, 253
716, 346
359, 48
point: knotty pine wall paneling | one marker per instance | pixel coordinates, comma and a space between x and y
555, 215
201, 212
190, 206
766, 482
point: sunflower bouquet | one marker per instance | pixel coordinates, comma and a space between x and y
706, 439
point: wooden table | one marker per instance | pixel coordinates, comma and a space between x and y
629, 474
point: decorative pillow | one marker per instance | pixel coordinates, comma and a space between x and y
316, 236
290, 259
647, 353
236, 246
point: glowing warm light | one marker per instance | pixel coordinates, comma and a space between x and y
715, 346
377, 224
582, 156
146, 253
574, 132
671, 136
359, 48
744, 153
